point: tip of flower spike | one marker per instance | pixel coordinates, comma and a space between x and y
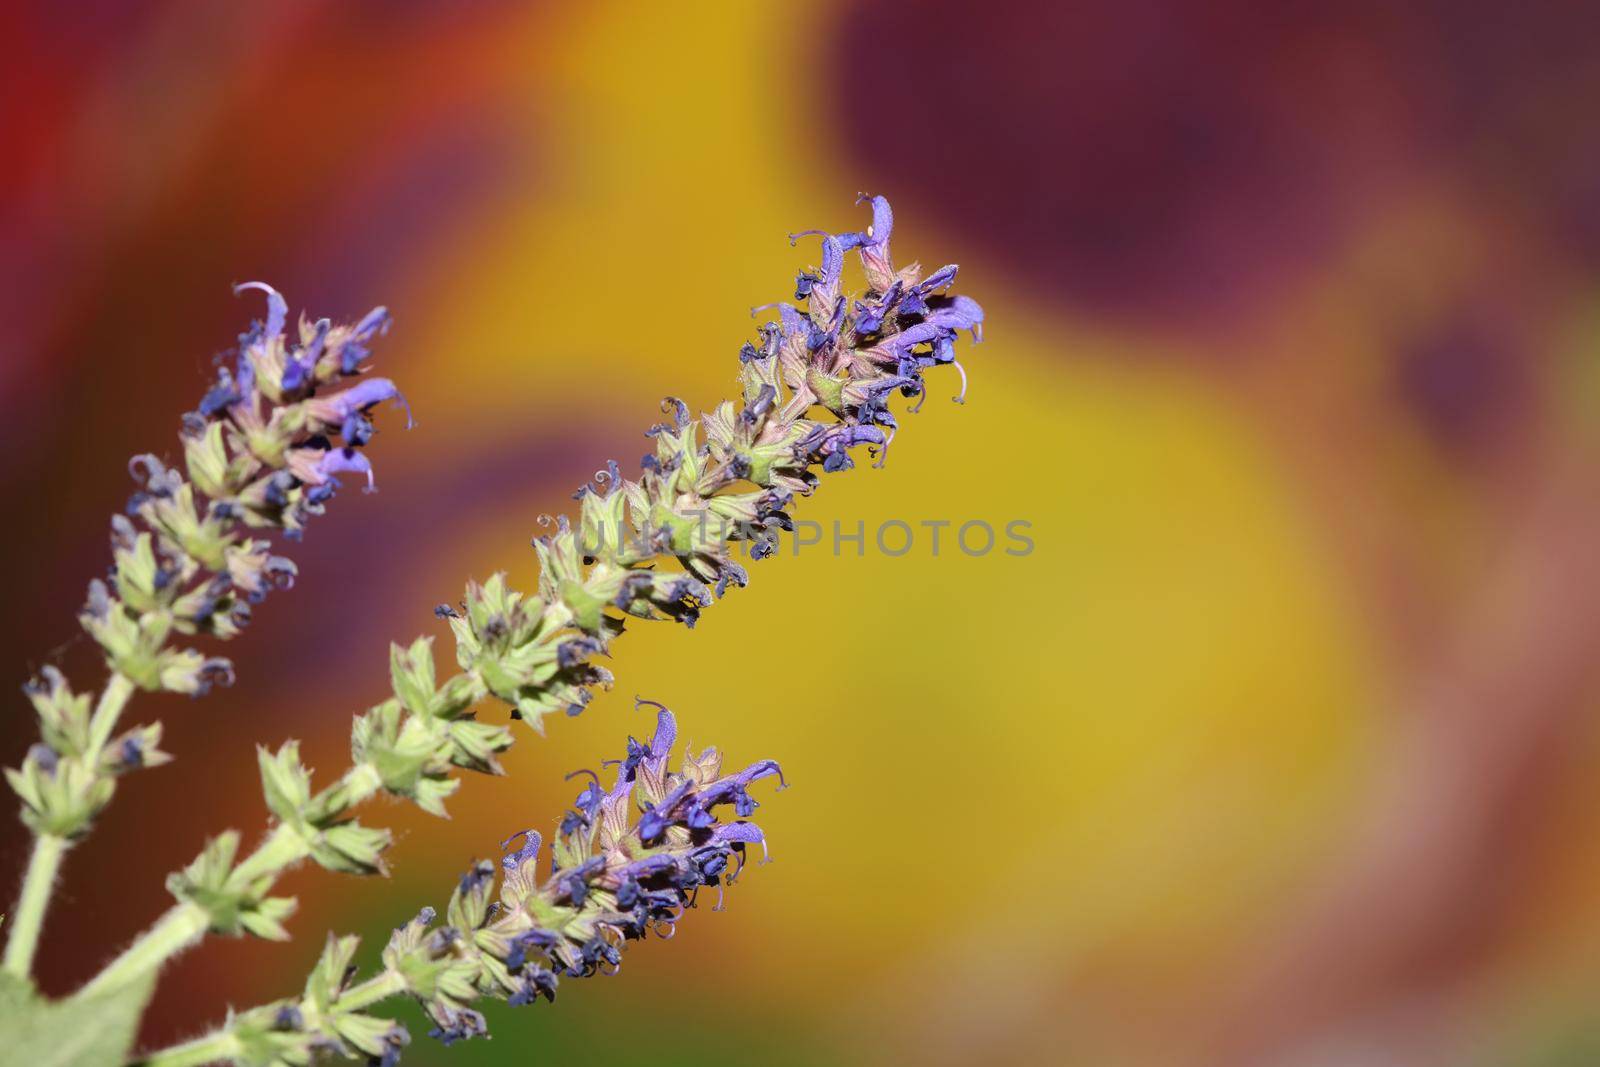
375, 321
531, 841
882, 216
277, 306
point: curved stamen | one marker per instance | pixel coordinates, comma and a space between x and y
960, 398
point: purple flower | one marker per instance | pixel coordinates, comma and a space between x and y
915, 301
588, 802
342, 461
46, 757
277, 307
336, 410
301, 367
822, 289
610, 882
528, 853
458, 1024
962, 313
355, 349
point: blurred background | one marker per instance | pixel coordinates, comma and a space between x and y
1279, 748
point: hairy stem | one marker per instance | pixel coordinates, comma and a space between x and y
283, 848
223, 1044
28, 920
184, 925
50, 849
380, 986
211, 1048
175, 931
103, 723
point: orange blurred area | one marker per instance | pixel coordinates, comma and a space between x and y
1279, 745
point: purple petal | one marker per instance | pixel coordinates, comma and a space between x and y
277, 307
922, 332
744, 832
882, 222
832, 260
375, 321
364, 395
666, 734
345, 461
528, 852
300, 368
643, 868
962, 314
793, 321
937, 280
765, 768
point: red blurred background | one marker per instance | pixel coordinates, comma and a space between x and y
1280, 746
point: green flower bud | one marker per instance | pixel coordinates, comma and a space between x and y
431, 793
133, 749
265, 919
475, 744
232, 905
285, 782
411, 671
63, 715
402, 750
59, 796
366, 1033
328, 978
352, 848
207, 461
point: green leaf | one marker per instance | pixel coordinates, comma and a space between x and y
15, 993
96, 1031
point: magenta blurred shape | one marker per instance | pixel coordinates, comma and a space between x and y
1158, 160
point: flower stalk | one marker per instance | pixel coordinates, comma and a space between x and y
259, 455
208, 1048
626, 862
107, 711
28, 919
49, 849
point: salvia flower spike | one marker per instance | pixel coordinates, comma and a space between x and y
722, 482
626, 862
261, 453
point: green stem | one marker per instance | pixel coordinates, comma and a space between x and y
224, 1043
49, 849
283, 848
380, 986
219, 1045
119, 687
175, 931
184, 925
28, 920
